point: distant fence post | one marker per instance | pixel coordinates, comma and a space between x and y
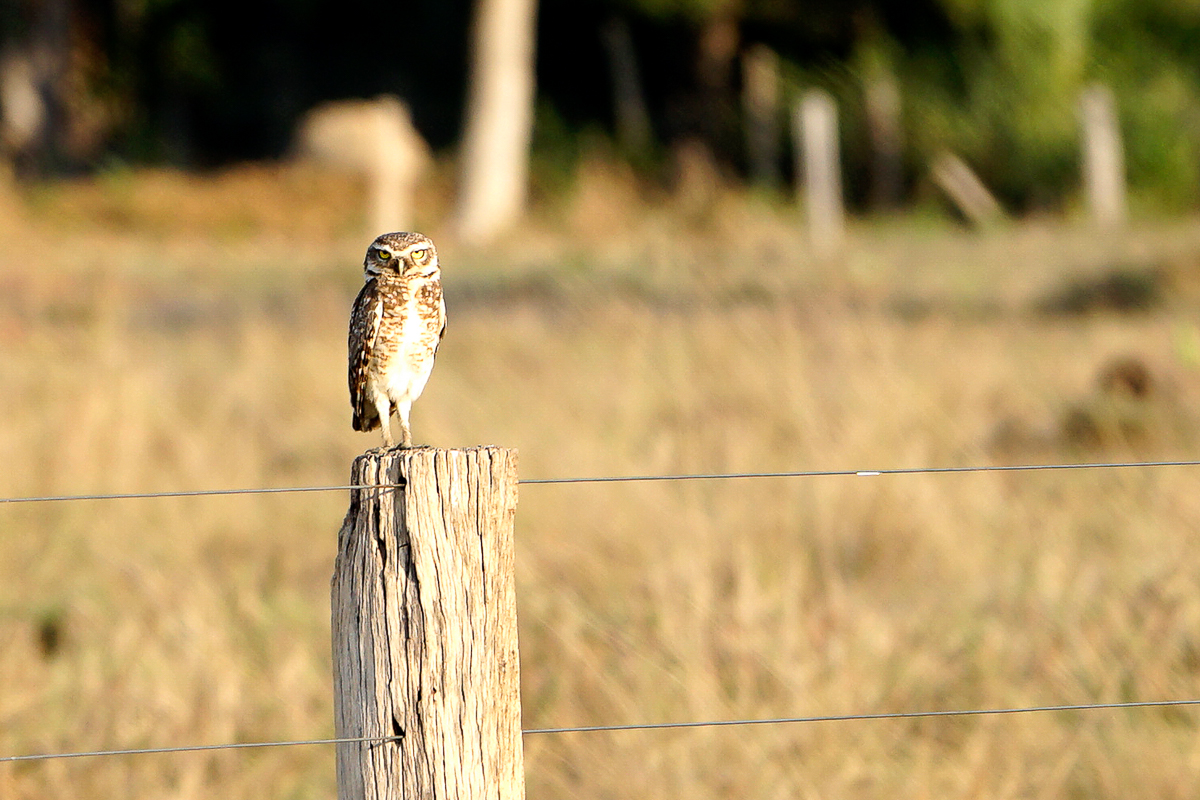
965, 188
425, 628
815, 130
1103, 155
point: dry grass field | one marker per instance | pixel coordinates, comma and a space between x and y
163, 332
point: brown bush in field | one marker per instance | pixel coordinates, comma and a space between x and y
198, 359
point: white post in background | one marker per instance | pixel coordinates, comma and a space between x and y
816, 137
1103, 155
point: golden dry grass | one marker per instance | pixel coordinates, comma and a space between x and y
148, 350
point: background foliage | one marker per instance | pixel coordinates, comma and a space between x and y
201, 83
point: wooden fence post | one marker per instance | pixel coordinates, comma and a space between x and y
965, 188
1103, 155
815, 129
425, 628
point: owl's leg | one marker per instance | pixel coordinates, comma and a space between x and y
384, 408
403, 409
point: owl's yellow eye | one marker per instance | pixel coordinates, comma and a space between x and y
420, 256
384, 255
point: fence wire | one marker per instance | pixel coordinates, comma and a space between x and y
654, 726
709, 476
650, 726
192, 748
978, 712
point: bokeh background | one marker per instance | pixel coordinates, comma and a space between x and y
186, 194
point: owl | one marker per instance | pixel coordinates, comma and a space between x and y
395, 328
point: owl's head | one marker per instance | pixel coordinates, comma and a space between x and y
406, 254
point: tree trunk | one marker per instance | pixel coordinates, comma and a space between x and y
494, 161
761, 115
33, 108
630, 115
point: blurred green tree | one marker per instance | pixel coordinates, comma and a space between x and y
995, 81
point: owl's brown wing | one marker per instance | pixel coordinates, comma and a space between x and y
442, 332
364, 330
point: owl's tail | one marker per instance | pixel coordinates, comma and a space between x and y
365, 419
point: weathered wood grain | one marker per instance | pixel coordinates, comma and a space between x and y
425, 628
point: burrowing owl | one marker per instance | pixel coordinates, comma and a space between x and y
398, 320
